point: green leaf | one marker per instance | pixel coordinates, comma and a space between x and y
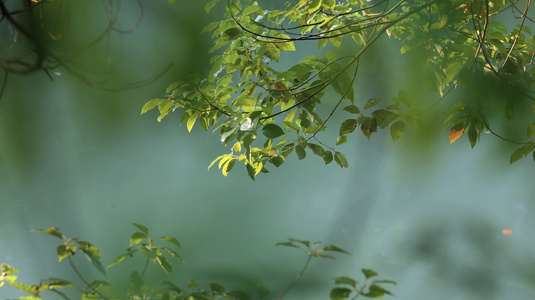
472, 136
340, 293
192, 284
30, 289
261, 290
300, 151
119, 259
6, 269
92, 254
285, 46
173, 254
55, 283
348, 126
510, 109
327, 157
371, 103
150, 105
521, 152
277, 160
51, 231
368, 126
340, 159
136, 280
531, 130
272, 131
65, 251
396, 130
383, 117
228, 166
217, 288
137, 237
341, 140
368, 273
316, 149
143, 229
165, 264
353, 109
171, 240
238, 295
191, 121
210, 5
232, 34
376, 291
244, 100
346, 280
335, 249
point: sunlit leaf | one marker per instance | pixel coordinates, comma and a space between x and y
137, 237
118, 260
51, 231
456, 132
64, 251
150, 105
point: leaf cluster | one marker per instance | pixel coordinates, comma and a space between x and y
265, 112
141, 242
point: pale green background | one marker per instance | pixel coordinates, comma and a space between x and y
421, 212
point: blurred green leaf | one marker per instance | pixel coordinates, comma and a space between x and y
368, 273
346, 280
217, 288
171, 240
165, 264
340, 293
137, 237
142, 228
64, 251
261, 290
51, 231
396, 130
335, 249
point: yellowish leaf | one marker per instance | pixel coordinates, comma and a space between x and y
456, 132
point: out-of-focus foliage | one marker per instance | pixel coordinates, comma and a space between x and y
264, 113
138, 288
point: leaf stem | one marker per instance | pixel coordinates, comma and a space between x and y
310, 257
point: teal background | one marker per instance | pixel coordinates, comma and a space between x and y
424, 213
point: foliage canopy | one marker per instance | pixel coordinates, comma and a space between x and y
266, 112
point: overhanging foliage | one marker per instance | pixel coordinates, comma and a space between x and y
265, 114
